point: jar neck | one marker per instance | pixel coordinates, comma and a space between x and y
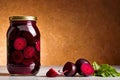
16, 23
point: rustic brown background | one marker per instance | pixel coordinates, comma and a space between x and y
70, 29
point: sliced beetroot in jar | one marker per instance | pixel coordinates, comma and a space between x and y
37, 56
29, 52
17, 57
14, 34
37, 45
28, 36
27, 62
20, 43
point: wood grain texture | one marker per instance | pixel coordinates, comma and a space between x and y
70, 29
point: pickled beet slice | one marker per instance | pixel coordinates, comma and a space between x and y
70, 69
79, 62
52, 73
87, 69
37, 56
27, 62
29, 52
14, 34
20, 43
37, 45
28, 36
17, 57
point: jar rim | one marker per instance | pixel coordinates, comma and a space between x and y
22, 18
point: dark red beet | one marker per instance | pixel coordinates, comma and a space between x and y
20, 43
51, 73
70, 69
87, 69
14, 34
79, 62
29, 52
37, 56
27, 62
37, 45
17, 57
28, 36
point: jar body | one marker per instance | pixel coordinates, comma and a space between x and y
23, 48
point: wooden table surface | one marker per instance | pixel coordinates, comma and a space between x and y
4, 75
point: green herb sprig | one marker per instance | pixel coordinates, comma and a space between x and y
105, 70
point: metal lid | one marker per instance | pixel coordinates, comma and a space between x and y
22, 18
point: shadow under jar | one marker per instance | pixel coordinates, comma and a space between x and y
23, 46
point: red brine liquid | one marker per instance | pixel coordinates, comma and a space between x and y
23, 46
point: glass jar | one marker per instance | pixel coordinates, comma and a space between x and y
23, 46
